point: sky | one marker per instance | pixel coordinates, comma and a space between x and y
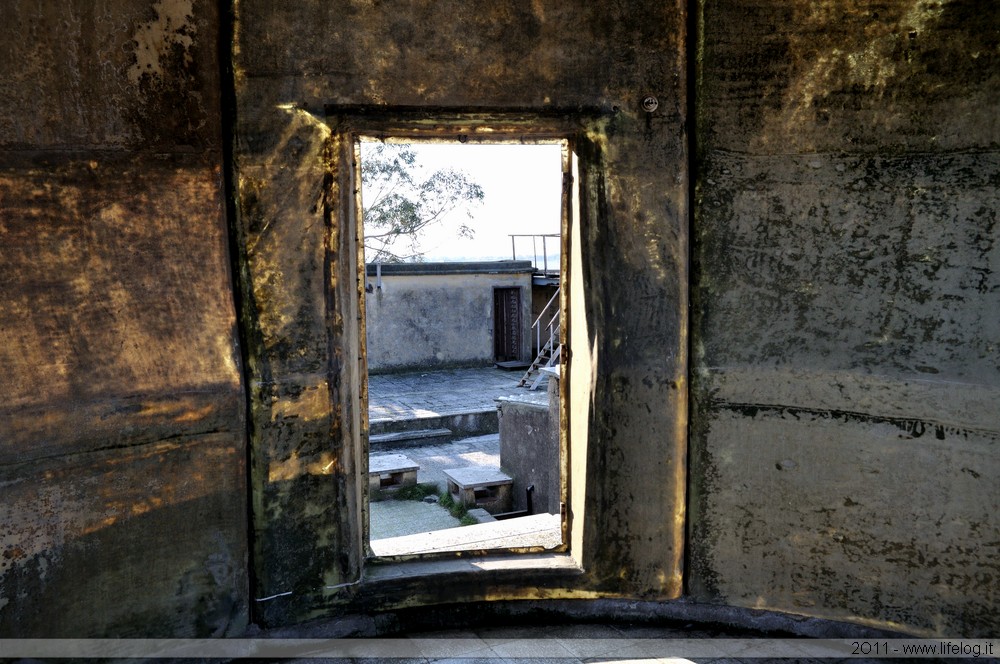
522, 186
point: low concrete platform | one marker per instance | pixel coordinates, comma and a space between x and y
391, 471
480, 486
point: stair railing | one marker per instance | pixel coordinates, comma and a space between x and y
550, 349
552, 324
554, 352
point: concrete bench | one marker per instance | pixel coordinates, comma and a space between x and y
476, 486
387, 472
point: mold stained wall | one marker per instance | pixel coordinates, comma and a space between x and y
294, 60
122, 425
846, 331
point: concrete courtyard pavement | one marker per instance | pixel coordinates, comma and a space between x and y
394, 518
430, 395
435, 459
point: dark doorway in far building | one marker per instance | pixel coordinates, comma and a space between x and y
507, 324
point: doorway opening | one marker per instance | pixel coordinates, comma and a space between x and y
464, 445
506, 325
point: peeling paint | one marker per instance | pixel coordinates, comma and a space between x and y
173, 28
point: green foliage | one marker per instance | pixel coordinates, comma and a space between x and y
420, 491
400, 203
457, 510
415, 491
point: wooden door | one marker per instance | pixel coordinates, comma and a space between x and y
507, 324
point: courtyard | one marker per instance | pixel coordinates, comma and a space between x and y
421, 403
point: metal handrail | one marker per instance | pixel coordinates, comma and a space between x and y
553, 360
534, 247
552, 344
536, 326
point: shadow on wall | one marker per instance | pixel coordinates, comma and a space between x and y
118, 524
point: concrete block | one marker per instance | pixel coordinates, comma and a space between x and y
487, 488
388, 472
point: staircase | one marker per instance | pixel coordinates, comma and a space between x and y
549, 347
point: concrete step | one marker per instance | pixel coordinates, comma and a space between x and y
409, 438
481, 515
471, 423
513, 365
537, 530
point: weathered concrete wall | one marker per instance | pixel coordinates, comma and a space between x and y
844, 423
298, 61
529, 449
121, 430
418, 320
844, 426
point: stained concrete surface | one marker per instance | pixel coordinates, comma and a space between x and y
430, 394
849, 263
845, 327
417, 395
122, 425
306, 77
392, 518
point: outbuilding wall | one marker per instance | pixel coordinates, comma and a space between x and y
436, 315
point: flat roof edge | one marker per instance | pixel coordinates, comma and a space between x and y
471, 267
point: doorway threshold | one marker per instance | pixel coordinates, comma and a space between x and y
535, 531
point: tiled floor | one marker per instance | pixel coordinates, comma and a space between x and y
576, 643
